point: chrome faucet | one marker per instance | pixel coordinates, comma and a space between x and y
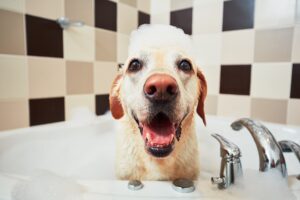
269, 151
290, 146
231, 166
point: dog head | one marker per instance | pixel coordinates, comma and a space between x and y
159, 86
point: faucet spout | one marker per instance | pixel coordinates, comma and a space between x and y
269, 151
290, 146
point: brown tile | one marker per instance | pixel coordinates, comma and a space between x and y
47, 77
293, 112
106, 45
12, 39
211, 104
183, 19
129, 2
43, 111
273, 45
102, 104
295, 87
14, 114
235, 79
106, 14
13, 77
52, 9
269, 110
143, 18
79, 77
44, 37
16, 5
127, 18
104, 74
82, 10
238, 15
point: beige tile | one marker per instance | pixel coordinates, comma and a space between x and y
79, 77
234, 106
274, 13
13, 77
208, 48
14, 114
269, 110
44, 8
207, 16
181, 4
123, 42
212, 75
82, 10
271, 80
79, 43
237, 47
13, 5
163, 18
273, 45
104, 74
75, 103
296, 44
293, 114
106, 45
159, 6
144, 5
211, 104
129, 2
47, 77
127, 18
12, 38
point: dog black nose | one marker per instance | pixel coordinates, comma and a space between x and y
160, 87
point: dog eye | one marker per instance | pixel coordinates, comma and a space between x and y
135, 65
185, 65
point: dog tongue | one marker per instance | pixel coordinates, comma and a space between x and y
159, 132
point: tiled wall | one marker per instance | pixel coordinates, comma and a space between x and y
46, 72
249, 51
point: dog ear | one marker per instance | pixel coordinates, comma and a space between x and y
114, 101
202, 96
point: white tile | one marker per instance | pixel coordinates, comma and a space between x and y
163, 18
13, 77
296, 45
274, 13
234, 106
79, 43
237, 47
271, 80
122, 50
293, 116
104, 74
207, 16
76, 103
159, 6
181, 4
208, 48
127, 18
13, 5
211, 104
212, 75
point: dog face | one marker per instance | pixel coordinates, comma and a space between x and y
157, 88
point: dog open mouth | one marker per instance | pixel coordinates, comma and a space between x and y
159, 135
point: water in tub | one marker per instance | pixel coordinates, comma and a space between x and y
83, 152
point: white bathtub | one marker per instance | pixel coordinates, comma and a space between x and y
85, 152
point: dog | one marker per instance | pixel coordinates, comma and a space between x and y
156, 96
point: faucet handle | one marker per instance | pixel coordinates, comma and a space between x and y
227, 148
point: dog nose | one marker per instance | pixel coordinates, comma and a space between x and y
160, 87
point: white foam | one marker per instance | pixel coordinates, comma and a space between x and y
45, 185
159, 36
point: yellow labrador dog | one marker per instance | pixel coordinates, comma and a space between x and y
156, 96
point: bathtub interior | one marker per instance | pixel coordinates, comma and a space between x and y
85, 151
